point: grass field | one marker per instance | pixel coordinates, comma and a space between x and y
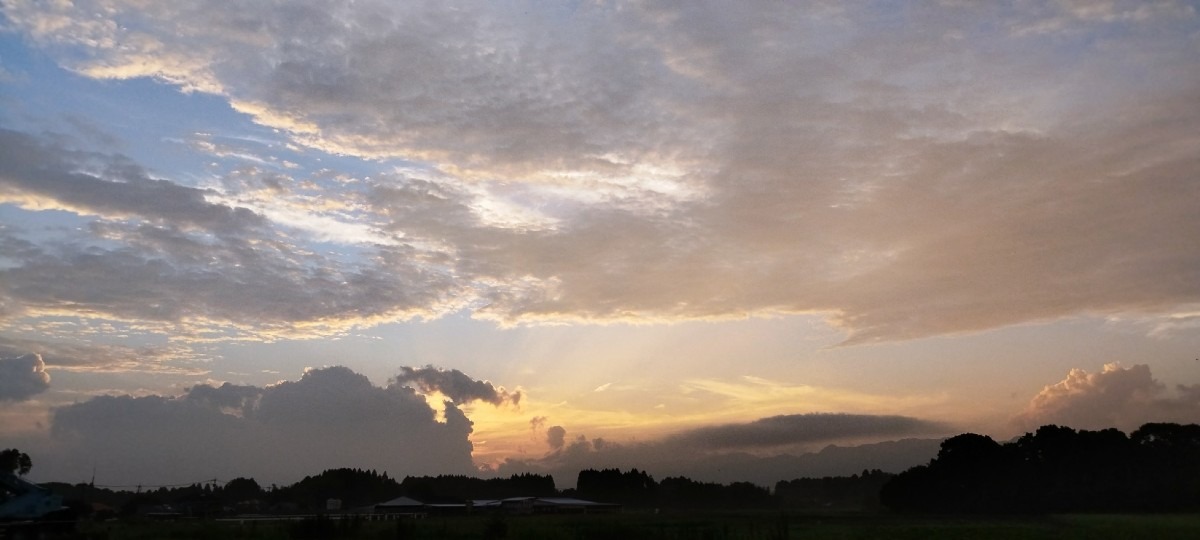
673, 526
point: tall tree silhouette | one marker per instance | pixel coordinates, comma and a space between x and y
612, 485
14, 461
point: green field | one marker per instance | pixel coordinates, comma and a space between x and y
674, 526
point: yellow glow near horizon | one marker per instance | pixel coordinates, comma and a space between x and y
510, 432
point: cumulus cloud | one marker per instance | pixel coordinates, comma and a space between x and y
1119, 397
331, 417
456, 385
229, 398
631, 161
556, 437
22, 377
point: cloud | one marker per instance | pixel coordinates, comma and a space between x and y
694, 454
106, 358
642, 162
1124, 398
556, 437
250, 289
229, 398
795, 429
22, 377
36, 175
163, 259
456, 385
331, 417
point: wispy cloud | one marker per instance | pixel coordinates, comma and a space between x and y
747, 394
107, 358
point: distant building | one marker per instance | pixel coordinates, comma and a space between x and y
571, 505
554, 505
401, 505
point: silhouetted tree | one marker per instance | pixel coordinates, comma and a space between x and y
1170, 465
611, 485
459, 488
241, 490
354, 487
14, 461
858, 491
1057, 469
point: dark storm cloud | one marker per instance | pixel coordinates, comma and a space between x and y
329, 418
796, 429
454, 384
22, 377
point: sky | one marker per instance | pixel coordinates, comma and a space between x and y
703, 238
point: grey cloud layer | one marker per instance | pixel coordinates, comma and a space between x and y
329, 418
30, 168
795, 429
192, 266
727, 452
912, 170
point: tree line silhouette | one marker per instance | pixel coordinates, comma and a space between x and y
1057, 469
356, 488
353, 488
458, 488
638, 488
